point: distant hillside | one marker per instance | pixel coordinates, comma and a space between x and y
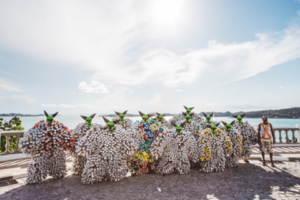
291, 113
19, 115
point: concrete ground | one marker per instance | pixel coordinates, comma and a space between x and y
248, 181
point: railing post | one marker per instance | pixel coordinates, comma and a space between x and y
280, 137
298, 133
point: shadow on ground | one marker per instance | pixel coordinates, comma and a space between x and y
248, 181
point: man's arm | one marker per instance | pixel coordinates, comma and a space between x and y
272, 133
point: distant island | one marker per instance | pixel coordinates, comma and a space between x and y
19, 115
289, 113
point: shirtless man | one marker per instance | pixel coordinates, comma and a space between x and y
266, 139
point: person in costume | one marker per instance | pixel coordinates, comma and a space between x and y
208, 120
173, 149
46, 142
161, 121
248, 135
266, 139
181, 116
125, 122
107, 150
237, 144
80, 131
214, 146
190, 126
142, 160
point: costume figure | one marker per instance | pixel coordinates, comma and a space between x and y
266, 139
46, 142
107, 150
80, 131
125, 122
174, 149
142, 160
214, 146
190, 126
208, 121
248, 135
237, 145
161, 122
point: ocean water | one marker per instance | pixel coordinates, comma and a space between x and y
72, 120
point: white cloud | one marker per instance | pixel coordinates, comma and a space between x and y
130, 92
155, 100
280, 87
213, 104
23, 97
4, 85
49, 105
93, 87
178, 90
73, 93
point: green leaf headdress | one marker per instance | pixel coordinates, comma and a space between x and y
208, 117
121, 116
213, 127
239, 118
178, 128
50, 118
188, 110
110, 125
228, 127
145, 117
188, 117
88, 120
160, 117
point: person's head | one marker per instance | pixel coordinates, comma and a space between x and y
178, 128
50, 118
264, 119
228, 127
88, 120
110, 125
239, 118
121, 116
213, 127
145, 117
208, 117
188, 110
160, 117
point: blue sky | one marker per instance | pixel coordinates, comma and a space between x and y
81, 57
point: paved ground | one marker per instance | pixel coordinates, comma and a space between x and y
248, 181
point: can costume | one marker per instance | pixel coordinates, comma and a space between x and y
214, 146
237, 144
142, 160
160, 121
208, 121
248, 135
107, 150
124, 122
173, 150
79, 132
46, 142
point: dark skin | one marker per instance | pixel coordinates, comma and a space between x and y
265, 122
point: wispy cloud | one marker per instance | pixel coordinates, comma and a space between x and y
23, 97
5, 85
93, 87
280, 87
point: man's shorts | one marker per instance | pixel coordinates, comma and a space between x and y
266, 147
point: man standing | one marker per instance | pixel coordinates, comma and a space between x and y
266, 139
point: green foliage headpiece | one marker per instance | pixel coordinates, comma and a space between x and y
213, 127
121, 116
110, 125
228, 127
88, 120
160, 117
208, 117
178, 128
239, 118
188, 117
50, 118
188, 110
145, 117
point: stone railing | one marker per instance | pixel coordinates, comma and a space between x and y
282, 136
7, 135
286, 135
